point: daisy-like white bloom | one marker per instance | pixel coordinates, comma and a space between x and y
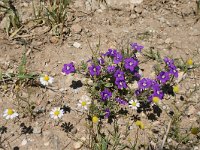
56, 113
134, 104
10, 114
84, 102
46, 80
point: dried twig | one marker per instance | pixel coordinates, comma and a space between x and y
166, 134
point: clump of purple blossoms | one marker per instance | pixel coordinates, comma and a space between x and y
169, 62
137, 47
111, 69
130, 63
94, 70
120, 101
118, 58
68, 68
157, 92
107, 113
119, 75
172, 68
105, 95
163, 77
111, 52
121, 84
144, 83
174, 71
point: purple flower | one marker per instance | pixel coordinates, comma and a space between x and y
137, 47
119, 75
94, 70
105, 95
155, 85
121, 101
101, 61
111, 69
144, 83
68, 68
173, 71
130, 63
137, 75
111, 52
118, 58
163, 77
158, 93
169, 62
137, 92
107, 113
121, 84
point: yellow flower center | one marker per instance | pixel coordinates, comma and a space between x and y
176, 89
95, 119
156, 100
195, 130
190, 62
134, 104
83, 103
46, 78
57, 112
10, 112
139, 124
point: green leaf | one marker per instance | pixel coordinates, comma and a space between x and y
108, 85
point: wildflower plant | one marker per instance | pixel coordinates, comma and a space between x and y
112, 74
10, 114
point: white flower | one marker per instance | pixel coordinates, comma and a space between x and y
56, 113
84, 102
10, 114
134, 104
46, 80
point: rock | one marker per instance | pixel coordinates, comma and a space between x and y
138, 10
46, 144
77, 145
37, 130
83, 139
120, 4
160, 41
76, 28
198, 113
79, 4
136, 1
133, 16
36, 43
4, 23
168, 41
77, 37
196, 148
24, 142
90, 82
77, 45
191, 110
54, 39
74, 130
